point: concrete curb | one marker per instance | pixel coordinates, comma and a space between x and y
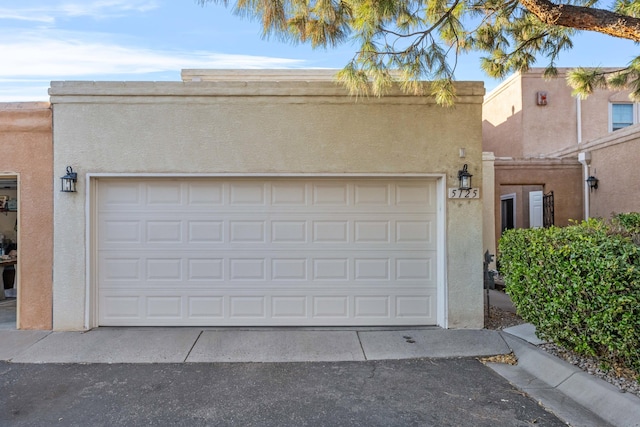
572, 394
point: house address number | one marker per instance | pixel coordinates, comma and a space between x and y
456, 193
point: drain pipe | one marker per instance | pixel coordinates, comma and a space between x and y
579, 120
585, 159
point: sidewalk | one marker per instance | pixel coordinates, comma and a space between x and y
191, 345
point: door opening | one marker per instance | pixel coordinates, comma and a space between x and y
508, 211
8, 251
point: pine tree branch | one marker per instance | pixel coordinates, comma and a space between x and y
585, 18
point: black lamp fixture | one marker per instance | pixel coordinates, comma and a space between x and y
69, 181
464, 178
593, 182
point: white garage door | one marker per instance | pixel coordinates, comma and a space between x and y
290, 251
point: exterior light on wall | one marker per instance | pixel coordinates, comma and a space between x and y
464, 178
69, 181
593, 182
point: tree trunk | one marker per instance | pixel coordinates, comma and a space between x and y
585, 18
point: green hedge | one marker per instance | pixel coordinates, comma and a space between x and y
579, 285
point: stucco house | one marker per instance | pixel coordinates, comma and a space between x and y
264, 198
546, 143
26, 181
612, 160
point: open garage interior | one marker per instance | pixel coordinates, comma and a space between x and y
8, 250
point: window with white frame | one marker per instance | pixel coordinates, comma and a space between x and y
622, 115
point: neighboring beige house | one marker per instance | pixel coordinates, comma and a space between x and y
265, 198
545, 140
26, 179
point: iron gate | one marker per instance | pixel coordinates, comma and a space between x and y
547, 209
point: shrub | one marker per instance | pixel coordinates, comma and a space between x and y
579, 285
630, 222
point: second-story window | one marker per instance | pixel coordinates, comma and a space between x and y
622, 115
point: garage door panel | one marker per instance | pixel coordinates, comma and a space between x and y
205, 194
243, 269
372, 307
247, 231
122, 309
275, 308
286, 194
414, 269
244, 307
330, 231
205, 270
205, 231
372, 231
332, 194
205, 308
418, 231
164, 194
289, 194
163, 232
121, 195
163, 269
372, 195
287, 268
266, 252
247, 194
274, 230
415, 194
116, 269
372, 269
414, 307
164, 307
119, 232
289, 231
290, 307
331, 307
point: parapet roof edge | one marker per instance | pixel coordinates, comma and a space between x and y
228, 89
25, 105
286, 74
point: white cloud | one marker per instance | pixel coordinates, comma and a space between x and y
53, 54
51, 11
38, 45
31, 59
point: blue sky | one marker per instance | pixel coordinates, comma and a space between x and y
51, 40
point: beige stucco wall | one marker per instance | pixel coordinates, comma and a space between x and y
515, 126
502, 119
293, 127
27, 152
614, 161
553, 126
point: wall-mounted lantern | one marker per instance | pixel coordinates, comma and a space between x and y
69, 181
593, 182
464, 178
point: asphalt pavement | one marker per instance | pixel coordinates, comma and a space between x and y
411, 392
297, 377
